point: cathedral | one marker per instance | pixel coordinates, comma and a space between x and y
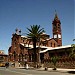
21, 49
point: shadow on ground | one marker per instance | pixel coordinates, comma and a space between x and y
72, 72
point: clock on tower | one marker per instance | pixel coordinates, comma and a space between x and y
55, 36
59, 36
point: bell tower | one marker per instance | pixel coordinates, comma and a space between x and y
57, 35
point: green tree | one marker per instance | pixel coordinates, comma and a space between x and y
34, 33
72, 54
54, 60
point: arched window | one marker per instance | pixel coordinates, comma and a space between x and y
23, 40
51, 44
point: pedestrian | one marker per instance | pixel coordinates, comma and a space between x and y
6, 64
19, 64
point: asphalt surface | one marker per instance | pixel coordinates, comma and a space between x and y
14, 71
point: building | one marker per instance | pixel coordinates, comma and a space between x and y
3, 56
21, 49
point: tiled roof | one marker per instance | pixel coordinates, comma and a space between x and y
3, 54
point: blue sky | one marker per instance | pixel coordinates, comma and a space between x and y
23, 13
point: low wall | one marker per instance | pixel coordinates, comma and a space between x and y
70, 65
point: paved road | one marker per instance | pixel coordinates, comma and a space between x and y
12, 71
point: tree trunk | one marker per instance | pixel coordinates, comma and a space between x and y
34, 47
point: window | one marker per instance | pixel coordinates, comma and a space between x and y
54, 44
58, 26
23, 40
51, 44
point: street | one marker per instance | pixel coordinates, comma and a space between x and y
13, 71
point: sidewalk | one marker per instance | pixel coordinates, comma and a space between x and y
48, 69
58, 69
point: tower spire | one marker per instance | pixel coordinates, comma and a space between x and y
56, 16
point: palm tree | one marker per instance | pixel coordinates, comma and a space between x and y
34, 32
73, 39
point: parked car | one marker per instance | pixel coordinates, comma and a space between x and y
2, 64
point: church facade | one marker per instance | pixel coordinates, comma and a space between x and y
21, 49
